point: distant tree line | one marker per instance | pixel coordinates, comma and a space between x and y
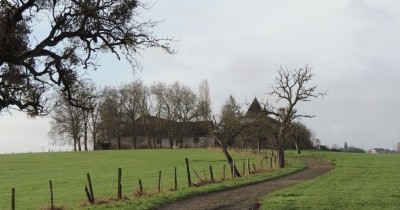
116, 112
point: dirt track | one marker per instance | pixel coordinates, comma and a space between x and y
248, 197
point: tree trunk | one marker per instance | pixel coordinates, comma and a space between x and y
171, 142
85, 130
181, 142
154, 142
75, 144
119, 142
133, 140
296, 144
230, 160
85, 137
281, 156
94, 138
133, 135
148, 141
79, 143
85, 141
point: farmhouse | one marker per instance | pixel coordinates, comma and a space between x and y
156, 132
260, 133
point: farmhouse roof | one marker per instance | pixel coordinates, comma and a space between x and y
254, 109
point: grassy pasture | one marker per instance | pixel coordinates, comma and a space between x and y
30, 175
359, 181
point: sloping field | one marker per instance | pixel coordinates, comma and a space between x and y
29, 174
359, 181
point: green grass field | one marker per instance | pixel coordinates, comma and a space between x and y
359, 181
30, 175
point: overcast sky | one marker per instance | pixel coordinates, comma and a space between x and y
238, 46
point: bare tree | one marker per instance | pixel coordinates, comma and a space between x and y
301, 136
31, 66
177, 104
164, 109
94, 119
90, 96
184, 102
204, 102
66, 124
228, 127
112, 115
291, 87
145, 109
132, 94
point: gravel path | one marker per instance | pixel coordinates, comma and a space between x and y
249, 196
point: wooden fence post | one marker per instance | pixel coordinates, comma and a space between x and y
119, 183
13, 199
159, 181
140, 186
254, 167
231, 166
51, 196
176, 181
223, 172
244, 168
88, 194
188, 172
248, 166
233, 169
211, 174
90, 187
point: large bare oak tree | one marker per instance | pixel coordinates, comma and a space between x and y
290, 88
33, 64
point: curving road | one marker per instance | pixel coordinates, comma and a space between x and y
249, 196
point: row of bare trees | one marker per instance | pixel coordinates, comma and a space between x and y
113, 112
70, 124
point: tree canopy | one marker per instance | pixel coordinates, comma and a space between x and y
32, 64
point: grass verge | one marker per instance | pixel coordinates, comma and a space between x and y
359, 181
29, 174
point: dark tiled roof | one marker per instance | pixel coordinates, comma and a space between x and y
254, 109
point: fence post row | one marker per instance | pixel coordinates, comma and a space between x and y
89, 187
